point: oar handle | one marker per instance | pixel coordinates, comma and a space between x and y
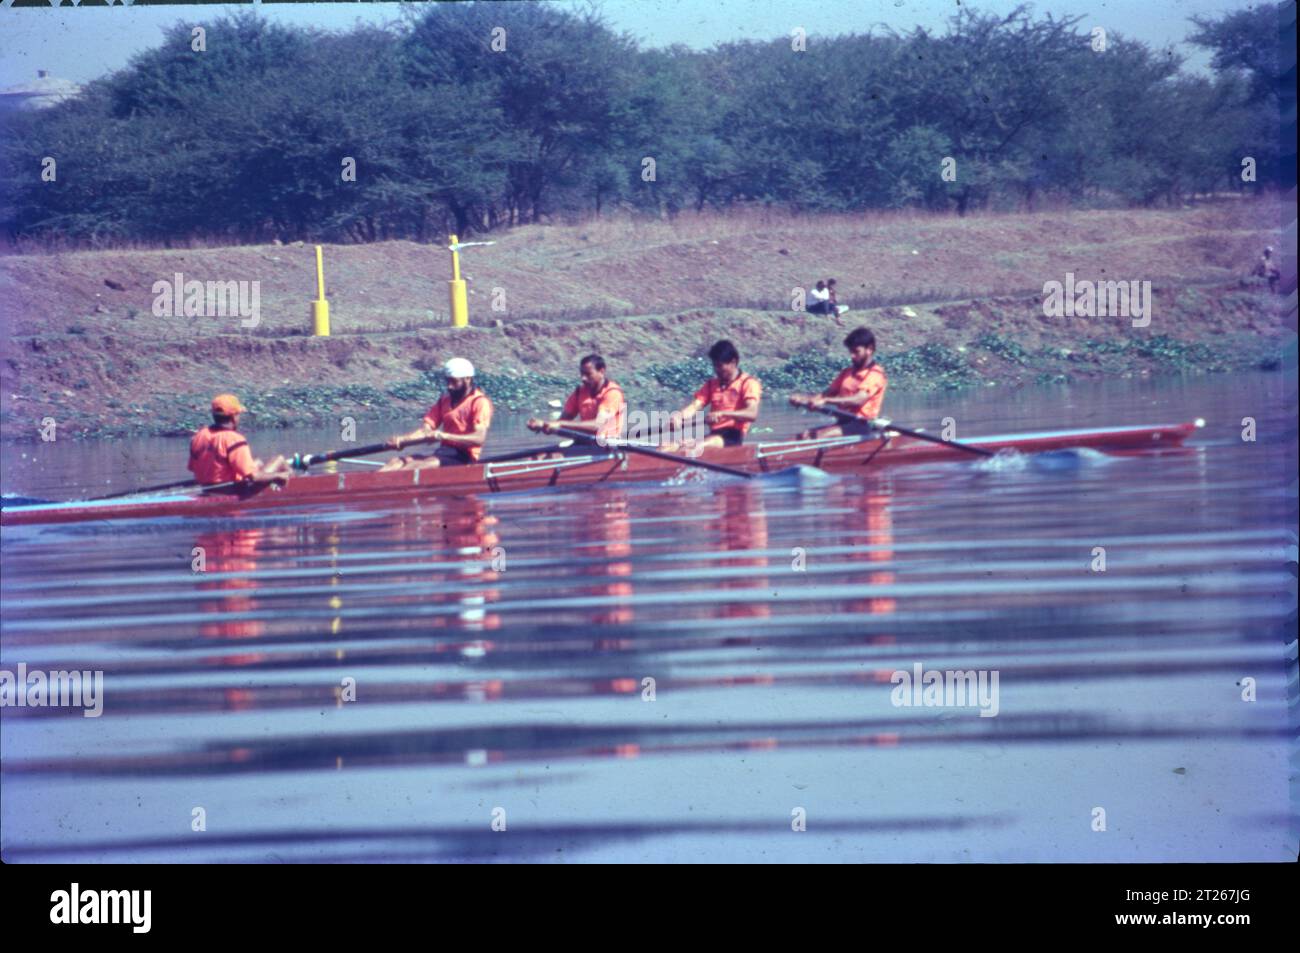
301, 461
881, 423
659, 454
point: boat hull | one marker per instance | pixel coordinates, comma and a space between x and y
585, 467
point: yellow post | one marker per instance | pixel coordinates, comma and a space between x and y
456, 289
320, 308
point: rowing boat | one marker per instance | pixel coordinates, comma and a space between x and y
586, 466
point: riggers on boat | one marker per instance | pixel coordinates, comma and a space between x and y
586, 466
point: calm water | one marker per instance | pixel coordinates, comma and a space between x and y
500, 647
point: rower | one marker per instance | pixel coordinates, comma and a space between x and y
219, 453
595, 407
459, 422
858, 389
732, 398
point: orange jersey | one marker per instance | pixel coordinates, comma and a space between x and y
870, 379
472, 413
742, 391
610, 402
220, 456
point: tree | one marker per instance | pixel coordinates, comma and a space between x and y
1259, 45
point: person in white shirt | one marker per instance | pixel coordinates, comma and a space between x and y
819, 299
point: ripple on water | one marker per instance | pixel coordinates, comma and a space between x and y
667, 671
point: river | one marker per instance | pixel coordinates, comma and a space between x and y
698, 670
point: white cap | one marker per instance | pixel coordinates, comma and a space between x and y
458, 367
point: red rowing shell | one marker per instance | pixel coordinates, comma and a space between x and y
585, 466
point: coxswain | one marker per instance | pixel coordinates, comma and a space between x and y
859, 389
595, 407
732, 400
458, 422
219, 453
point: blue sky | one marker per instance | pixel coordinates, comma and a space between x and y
82, 44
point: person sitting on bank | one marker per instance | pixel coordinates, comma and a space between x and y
833, 305
1267, 268
219, 453
819, 299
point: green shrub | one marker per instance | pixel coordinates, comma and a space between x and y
1006, 348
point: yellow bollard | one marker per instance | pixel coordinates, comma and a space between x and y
456, 290
320, 308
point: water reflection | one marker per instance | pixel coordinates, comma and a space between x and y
741, 522
500, 648
232, 557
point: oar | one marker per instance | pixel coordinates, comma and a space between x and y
882, 423
154, 489
143, 489
301, 461
660, 454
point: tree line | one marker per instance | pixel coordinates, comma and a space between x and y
471, 117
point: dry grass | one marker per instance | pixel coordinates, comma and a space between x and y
621, 265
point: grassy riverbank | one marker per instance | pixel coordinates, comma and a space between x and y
954, 302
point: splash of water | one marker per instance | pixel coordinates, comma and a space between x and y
1051, 461
1004, 461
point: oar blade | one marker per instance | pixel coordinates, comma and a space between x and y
800, 474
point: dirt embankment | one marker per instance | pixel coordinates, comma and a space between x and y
953, 302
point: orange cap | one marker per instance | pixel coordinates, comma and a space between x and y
227, 405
